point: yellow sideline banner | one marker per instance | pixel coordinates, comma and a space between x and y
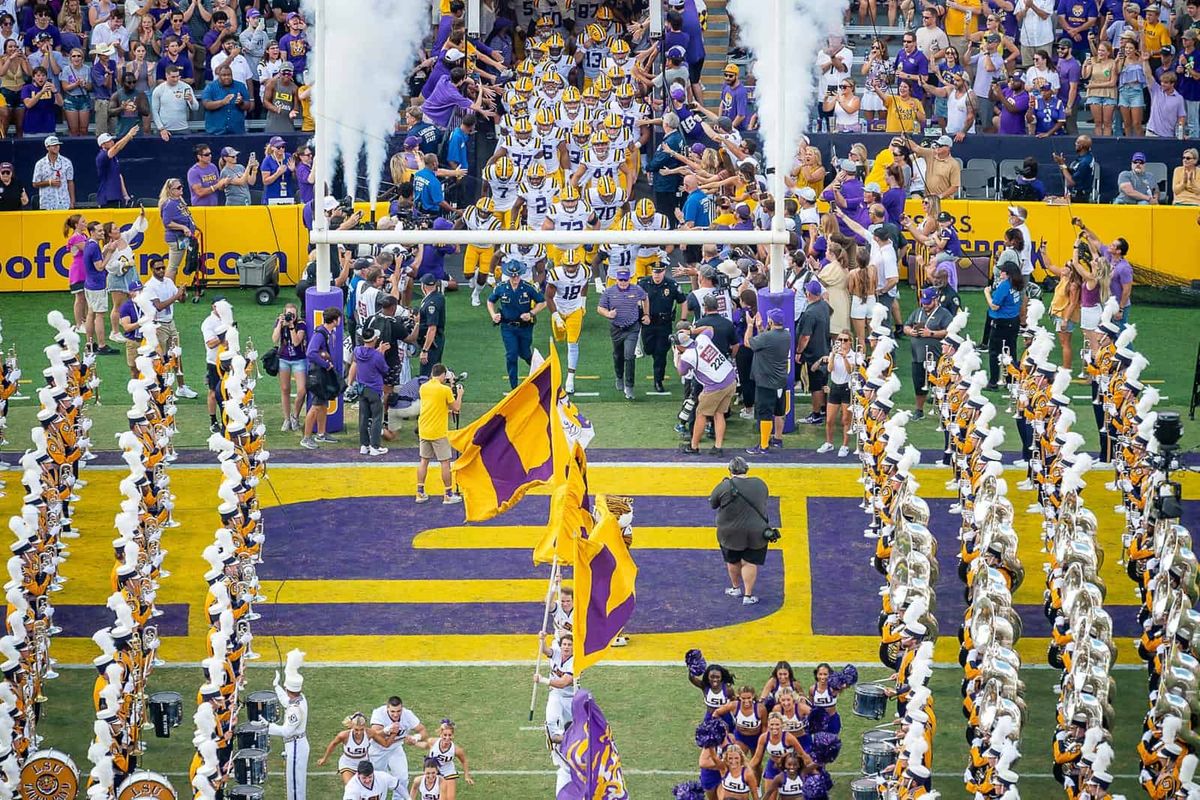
34, 255
1165, 239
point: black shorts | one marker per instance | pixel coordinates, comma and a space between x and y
696, 71
756, 556
211, 379
817, 378
768, 403
839, 393
77, 287
392, 376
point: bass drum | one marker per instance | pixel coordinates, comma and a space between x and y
144, 784
49, 775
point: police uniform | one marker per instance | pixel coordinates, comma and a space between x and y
517, 334
655, 336
432, 315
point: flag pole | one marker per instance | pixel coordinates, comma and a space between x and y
542, 636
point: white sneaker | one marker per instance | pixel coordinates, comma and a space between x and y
746, 413
287, 424
1021, 463
951, 486
1111, 486
637, 351
570, 385
749, 600
362, 450
734, 591
620, 641
1025, 485
956, 508
1034, 508
843, 451
308, 443
451, 499
186, 392
825, 447
475, 301
117, 337
377, 451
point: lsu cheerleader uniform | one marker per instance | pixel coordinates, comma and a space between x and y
824, 713
747, 727
353, 751
791, 787
711, 778
447, 769
427, 792
736, 784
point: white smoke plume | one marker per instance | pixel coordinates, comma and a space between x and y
372, 46
806, 25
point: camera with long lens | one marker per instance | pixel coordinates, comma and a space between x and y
455, 380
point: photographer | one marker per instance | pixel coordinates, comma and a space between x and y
741, 504
697, 358
324, 382
395, 329
440, 396
290, 336
369, 369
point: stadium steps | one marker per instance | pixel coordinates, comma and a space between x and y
716, 45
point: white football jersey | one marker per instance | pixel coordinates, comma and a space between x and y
548, 154
538, 200
597, 166
621, 256
568, 298
522, 153
565, 220
476, 222
606, 210
658, 222
504, 192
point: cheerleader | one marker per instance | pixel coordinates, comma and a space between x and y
748, 714
443, 750
787, 783
782, 677
737, 779
355, 741
773, 746
711, 759
717, 685
429, 784
795, 712
824, 701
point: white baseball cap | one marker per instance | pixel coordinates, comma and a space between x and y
104, 139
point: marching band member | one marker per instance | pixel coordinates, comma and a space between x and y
294, 708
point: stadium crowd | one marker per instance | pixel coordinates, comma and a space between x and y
599, 125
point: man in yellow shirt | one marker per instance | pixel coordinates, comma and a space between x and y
1154, 36
962, 18
437, 401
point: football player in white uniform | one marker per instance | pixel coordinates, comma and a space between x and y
502, 178
591, 51
566, 297
557, 58
607, 201
570, 111
532, 258
619, 59
577, 144
549, 94
552, 152
647, 218
536, 195
618, 256
479, 262
569, 213
600, 161
521, 145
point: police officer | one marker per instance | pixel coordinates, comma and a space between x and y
514, 305
432, 323
664, 295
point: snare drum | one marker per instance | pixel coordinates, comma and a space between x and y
245, 793
864, 789
878, 735
250, 766
49, 774
252, 735
262, 705
877, 757
870, 701
166, 712
144, 784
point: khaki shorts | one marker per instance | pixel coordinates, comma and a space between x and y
713, 403
168, 335
436, 449
97, 300
131, 352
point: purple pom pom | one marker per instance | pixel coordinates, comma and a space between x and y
835, 682
849, 675
695, 662
688, 790
825, 747
711, 733
816, 786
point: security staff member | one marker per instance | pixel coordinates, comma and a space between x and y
432, 323
514, 305
664, 295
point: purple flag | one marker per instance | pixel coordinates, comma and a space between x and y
591, 754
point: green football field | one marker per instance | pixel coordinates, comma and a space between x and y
1167, 337
653, 711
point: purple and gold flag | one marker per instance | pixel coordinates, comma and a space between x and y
605, 595
570, 514
517, 445
591, 754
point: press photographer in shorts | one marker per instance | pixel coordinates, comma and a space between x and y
441, 396
698, 359
743, 528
